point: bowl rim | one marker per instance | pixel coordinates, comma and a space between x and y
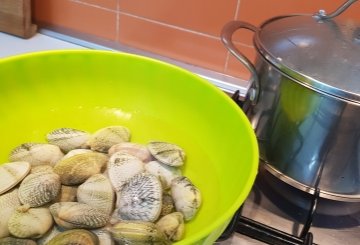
225, 217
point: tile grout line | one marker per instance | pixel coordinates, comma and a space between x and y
118, 12
117, 26
93, 5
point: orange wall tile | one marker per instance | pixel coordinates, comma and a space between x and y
186, 30
178, 44
200, 15
76, 16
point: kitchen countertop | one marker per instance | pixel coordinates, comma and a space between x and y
12, 45
50, 40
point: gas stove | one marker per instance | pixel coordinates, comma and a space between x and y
274, 212
279, 214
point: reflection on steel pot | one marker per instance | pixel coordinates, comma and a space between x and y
305, 100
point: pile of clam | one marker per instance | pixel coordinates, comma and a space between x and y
99, 188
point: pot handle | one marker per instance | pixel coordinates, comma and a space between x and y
226, 37
323, 16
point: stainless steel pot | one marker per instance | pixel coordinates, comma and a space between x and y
305, 100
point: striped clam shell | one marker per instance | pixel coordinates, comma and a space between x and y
8, 204
68, 138
55, 230
186, 196
172, 225
97, 192
12, 173
106, 137
137, 232
137, 150
76, 237
122, 167
140, 198
39, 188
67, 194
76, 169
104, 236
28, 222
16, 241
70, 215
167, 153
164, 172
36, 153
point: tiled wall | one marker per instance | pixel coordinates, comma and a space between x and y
187, 30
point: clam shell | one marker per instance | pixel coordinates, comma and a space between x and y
172, 225
140, 198
8, 203
97, 192
76, 236
104, 236
36, 153
122, 167
39, 188
164, 172
41, 169
187, 197
167, 153
137, 232
68, 138
16, 241
106, 137
67, 194
76, 169
28, 222
70, 215
137, 150
168, 205
76, 152
12, 173
55, 230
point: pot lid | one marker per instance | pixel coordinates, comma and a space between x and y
323, 54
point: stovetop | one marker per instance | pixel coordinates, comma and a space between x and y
333, 222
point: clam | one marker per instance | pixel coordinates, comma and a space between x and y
39, 188
76, 237
36, 153
137, 232
26, 222
55, 230
41, 169
187, 197
106, 137
140, 198
11, 174
70, 215
164, 172
97, 192
172, 225
68, 138
168, 205
67, 194
76, 152
104, 236
76, 169
8, 203
137, 150
121, 167
16, 241
167, 153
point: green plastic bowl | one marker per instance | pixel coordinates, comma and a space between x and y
156, 101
